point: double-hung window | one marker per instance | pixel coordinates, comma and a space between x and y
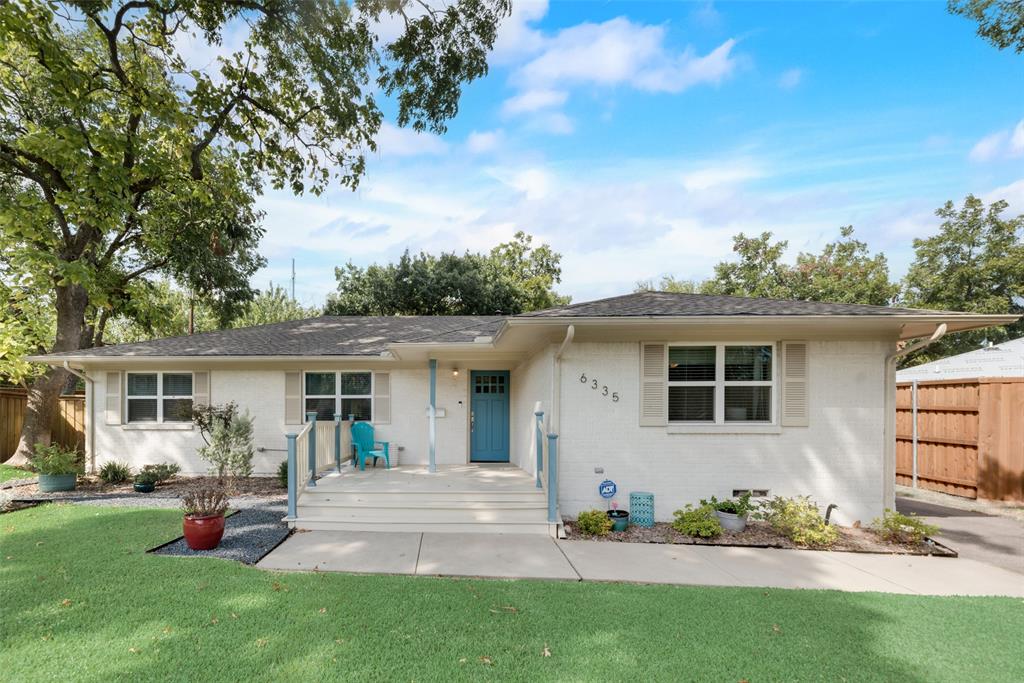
159, 396
721, 383
345, 393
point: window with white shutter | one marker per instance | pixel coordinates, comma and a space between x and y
113, 398
653, 361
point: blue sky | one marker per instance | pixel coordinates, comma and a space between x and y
636, 138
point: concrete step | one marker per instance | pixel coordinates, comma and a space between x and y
426, 527
325, 496
400, 515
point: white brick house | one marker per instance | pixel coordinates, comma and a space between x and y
681, 395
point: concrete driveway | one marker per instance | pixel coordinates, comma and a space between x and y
975, 535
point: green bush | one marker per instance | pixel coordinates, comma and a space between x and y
162, 472
55, 459
282, 474
697, 521
147, 477
594, 522
893, 526
736, 506
115, 472
798, 520
231, 448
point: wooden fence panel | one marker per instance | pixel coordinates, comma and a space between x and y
68, 428
970, 437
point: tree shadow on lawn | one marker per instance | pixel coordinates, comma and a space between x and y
132, 616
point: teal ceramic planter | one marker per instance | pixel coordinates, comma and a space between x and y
144, 488
51, 483
620, 519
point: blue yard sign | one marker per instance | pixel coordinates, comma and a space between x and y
607, 488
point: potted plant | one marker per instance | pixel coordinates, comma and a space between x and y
145, 481
620, 518
732, 513
57, 467
204, 517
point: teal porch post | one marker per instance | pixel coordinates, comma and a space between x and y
552, 478
540, 446
311, 418
337, 443
432, 465
293, 491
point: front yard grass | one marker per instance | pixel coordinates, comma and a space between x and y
8, 472
81, 601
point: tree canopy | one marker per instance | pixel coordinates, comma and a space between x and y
1000, 22
514, 277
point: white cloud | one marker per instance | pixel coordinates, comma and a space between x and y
515, 37
533, 100
791, 78
534, 183
1003, 144
479, 142
393, 141
721, 174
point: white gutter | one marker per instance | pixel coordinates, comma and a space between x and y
90, 394
556, 380
889, 466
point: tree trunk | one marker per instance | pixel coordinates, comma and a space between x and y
41, 405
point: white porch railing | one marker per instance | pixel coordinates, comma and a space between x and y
547, 463
314, 449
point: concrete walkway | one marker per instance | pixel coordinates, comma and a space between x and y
539, 557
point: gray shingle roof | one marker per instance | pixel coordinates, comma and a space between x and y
323, 336
670, 304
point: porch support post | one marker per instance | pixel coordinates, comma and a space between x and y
337, 443
540, 446
311, 418
432, 411
293, 474
552, 478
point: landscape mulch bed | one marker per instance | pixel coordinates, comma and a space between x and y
249, 535
760, 535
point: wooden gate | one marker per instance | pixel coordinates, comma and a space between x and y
68, 427
969, 438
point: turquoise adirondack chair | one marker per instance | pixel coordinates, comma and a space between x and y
366, 447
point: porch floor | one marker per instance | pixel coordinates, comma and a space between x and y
469, 478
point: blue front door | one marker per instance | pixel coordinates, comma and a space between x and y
488, 421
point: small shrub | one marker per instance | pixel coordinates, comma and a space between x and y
900, 528
282, 474
231, 448
147, 477
205, 501
697, 521
594, 522
798, 520
55, 459
115, 472
736, 506
162, 472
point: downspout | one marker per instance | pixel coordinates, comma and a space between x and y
889, 466
556, 391
90, 393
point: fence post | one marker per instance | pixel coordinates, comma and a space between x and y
552, 478
311, 418
540, 446
913, 447
337, 443
292, 476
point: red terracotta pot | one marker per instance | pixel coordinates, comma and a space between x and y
203, 533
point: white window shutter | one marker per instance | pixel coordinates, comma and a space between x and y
795, 384
382, 398
653, 373
200, 389
113, 398
293, 398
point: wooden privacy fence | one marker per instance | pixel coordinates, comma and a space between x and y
968, 439
68, 427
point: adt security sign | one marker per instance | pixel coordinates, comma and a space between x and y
607, 488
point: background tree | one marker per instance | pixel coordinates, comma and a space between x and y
273, 305
123, 161
1000, 22
669, 283
512, 278
975, 263
759, 271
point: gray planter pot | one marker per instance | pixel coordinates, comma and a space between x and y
731, 522
50, 483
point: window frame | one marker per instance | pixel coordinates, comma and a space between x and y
338, 396
720, 384
159, 397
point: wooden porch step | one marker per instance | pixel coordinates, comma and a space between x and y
313, 524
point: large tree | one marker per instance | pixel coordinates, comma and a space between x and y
975, 263
514, 277
1000, 22
124, 160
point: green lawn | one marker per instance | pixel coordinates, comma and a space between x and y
7, 473
81, 601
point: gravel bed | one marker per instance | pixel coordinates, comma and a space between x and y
249, 535
12, 483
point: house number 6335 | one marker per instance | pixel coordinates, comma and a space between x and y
595, 385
